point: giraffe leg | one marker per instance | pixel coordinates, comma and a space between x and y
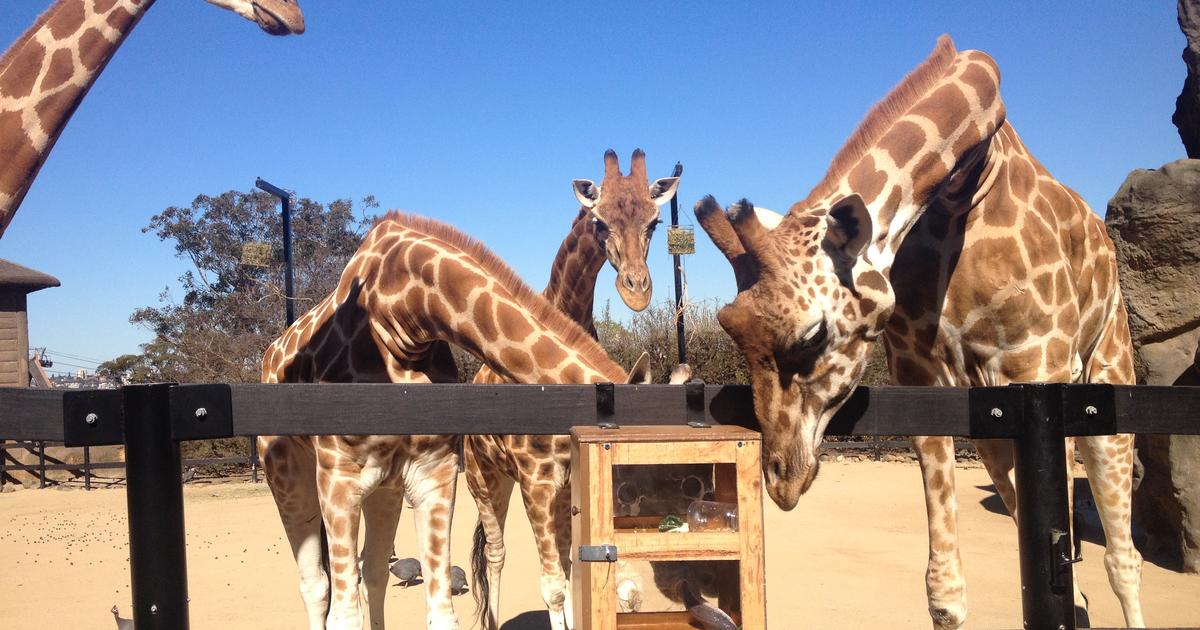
430, 489
290, 468
562, 522
945, 583
1109, 463
997, 456
998, 459
542, 496
341, 506
492, 490
381, 515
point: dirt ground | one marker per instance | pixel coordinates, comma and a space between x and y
852, 555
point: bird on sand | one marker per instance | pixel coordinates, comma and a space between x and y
407, 570
458, 581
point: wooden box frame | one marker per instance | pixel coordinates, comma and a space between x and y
594, 452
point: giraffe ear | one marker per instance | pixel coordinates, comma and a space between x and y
640, 372
586, 191
848, 229
662, 190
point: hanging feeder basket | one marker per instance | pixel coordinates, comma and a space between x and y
681, 239
256, 254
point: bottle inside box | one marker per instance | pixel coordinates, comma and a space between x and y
675, 497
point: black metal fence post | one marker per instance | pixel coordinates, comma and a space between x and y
157, 555
87, 468
41, 449
1043, 529
680, 336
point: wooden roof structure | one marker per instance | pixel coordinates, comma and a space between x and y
16, 283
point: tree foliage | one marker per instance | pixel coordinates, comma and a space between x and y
228, 312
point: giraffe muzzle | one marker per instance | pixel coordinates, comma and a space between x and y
635, 289
786, 481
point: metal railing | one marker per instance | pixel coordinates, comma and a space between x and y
151, 420
86, 469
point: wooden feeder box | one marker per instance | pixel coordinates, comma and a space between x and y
732, 454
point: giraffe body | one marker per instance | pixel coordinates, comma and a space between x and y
47, 72
413, 286
937, 230
616, 225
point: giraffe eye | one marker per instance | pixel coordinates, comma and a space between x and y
813, 338
601, 226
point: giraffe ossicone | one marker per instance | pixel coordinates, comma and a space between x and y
935, 230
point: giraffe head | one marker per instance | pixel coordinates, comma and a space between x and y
624, 210
807, 309
276, 17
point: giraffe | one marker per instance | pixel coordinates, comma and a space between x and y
936, 229
615, 222
46, 73
412, 287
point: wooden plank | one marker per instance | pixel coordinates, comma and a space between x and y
659, 453
1157, 409
593, 583
662, 433
655, 621
655, 545
367, 408
753, 585
31, 414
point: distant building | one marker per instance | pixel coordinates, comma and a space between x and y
16, 283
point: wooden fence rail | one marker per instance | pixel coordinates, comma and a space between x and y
151, 420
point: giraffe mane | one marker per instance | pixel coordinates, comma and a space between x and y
542, 309
6, 58
883, 114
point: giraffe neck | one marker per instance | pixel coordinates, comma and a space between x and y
44, 76
572, 285
421, 281
933, 128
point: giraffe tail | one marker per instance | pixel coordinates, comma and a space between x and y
483, 587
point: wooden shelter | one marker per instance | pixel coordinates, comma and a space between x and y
16, 283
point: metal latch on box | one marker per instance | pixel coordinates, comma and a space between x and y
597, 553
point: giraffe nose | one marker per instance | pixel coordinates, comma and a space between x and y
637, 282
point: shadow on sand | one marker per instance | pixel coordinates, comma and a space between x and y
1087, 522
531, 620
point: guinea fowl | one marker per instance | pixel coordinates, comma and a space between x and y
458, 581
122, 623
407, 570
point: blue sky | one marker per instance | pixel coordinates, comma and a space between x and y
482, 114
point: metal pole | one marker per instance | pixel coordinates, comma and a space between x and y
1043, 529
41, 448
87, 468
289, 292
285, 198
157, 556
680, 339
253, 459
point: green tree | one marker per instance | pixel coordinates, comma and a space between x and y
228, 312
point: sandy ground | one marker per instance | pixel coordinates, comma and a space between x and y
852, 555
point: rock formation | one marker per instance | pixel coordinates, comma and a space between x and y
1154, 220
1187, 106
